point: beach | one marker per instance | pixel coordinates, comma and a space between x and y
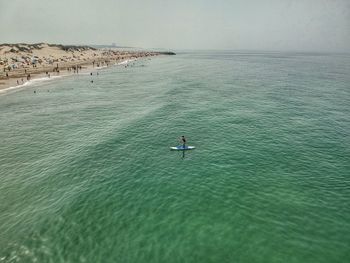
21, 63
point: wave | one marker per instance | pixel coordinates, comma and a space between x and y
101, 67
125, 62
31, 82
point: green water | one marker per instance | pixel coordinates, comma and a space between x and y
87, 175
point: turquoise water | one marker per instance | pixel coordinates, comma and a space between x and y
87, 175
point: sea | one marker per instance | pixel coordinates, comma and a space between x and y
87, 174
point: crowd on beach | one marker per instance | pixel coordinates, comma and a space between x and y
23, 61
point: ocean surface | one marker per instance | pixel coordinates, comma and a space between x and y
86, 174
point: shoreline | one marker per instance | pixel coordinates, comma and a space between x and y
22, 64
11, 84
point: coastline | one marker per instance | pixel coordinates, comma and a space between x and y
11, 84
24, 64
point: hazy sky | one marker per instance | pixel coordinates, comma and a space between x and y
310, 25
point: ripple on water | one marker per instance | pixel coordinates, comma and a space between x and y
89, 167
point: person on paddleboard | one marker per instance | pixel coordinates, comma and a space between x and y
183, 140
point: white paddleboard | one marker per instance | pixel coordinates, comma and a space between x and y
181, 148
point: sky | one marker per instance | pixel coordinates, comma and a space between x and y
281, 25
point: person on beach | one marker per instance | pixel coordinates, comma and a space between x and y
183, 140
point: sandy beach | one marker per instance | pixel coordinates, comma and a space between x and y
21, 63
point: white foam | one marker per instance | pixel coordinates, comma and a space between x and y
30, 82
124, 62
14, 87
101, 67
